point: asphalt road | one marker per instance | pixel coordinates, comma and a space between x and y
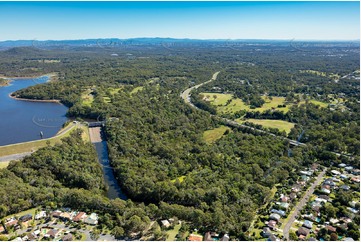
301, 204
14, 157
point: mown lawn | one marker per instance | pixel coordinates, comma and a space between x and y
29, 211
172, 233
213, 135
217, 98
220, 101
268, 123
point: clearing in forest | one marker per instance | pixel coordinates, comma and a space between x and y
270, 123
87, 98
212, 135
220, 101
136, 89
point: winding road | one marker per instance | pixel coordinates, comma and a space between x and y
186, 97
301, 204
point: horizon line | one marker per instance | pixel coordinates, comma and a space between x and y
200, 39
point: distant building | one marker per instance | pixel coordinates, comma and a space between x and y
275, 216
40, 215
303, 231
194, 237
92, 219
26, 218
80, 217
307, 224
330, 228
225, 237
165, 223
68, 237
272, 224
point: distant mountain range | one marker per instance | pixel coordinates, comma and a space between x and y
139, 41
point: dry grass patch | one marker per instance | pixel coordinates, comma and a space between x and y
213, 135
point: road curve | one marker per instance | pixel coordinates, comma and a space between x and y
14, 157
186, 94
186, 97
301, 204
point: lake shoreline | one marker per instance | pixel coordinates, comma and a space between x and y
50, 76
35, 100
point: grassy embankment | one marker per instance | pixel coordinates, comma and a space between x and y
34, 145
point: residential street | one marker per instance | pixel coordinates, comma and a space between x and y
302, 203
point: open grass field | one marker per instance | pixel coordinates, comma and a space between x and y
213, 135
268, 123
319, 103
87, 98
4, 164
137, 89
320, 73
35, 145
220, 100
271, 103
30, 211
173, 232
112, 91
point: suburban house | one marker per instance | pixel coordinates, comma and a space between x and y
56, 214
40, 215
330, 228
266, 232
280, 212
165, 223
65, 216
307, 224
53, 233
26, 218
303, 231
275, 216
92, 219
194, 237
272, 224
79, 217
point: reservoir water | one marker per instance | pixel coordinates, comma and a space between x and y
22, 121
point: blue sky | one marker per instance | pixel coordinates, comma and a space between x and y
201, 20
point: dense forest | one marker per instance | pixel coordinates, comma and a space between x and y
155, 140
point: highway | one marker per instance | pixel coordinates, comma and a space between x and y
186, 97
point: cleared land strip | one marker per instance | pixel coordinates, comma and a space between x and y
301, 204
